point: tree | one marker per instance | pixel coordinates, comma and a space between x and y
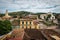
5, 27
48, 17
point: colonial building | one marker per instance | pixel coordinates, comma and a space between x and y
29, 22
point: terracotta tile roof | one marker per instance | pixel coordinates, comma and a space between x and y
33, 34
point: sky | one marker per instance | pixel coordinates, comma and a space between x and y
30, 5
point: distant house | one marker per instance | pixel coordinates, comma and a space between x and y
43, 16
48, 16
52, 17
31, 16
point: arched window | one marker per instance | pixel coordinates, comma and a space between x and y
26, 24
30, 22
22, 24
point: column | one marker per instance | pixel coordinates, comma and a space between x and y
28, 25
32, 27
37, 26
24, 24
20, 24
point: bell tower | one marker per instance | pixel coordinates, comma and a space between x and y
6, 14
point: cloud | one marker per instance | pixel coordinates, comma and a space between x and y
30, 5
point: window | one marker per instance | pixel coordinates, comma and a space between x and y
26, 24
30, 22
22, 24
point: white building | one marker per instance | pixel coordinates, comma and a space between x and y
52, 16
43, 16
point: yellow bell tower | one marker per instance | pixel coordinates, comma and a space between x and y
6, 14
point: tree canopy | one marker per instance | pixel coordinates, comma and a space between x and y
5, 27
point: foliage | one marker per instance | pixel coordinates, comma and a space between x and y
1, 15
5, 27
